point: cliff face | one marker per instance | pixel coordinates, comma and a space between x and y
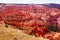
31, 17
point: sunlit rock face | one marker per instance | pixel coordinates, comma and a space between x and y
58, 22
37, 18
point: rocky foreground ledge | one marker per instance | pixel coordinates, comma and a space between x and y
9, 33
